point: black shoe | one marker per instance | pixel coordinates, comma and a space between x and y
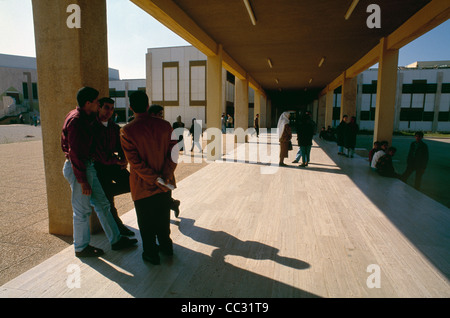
124, 242
151, 259
90, 251
176, 207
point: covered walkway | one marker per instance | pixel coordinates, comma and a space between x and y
333, 229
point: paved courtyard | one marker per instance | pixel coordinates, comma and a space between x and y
311, 232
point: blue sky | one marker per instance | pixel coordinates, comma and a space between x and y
131, 32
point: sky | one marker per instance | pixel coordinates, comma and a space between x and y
131, 31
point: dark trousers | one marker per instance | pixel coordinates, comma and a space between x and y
153, 216
114, 181
419, 173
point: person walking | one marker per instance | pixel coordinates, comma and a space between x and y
195, 131
179, 133
147, 144
284, 136
76, 143
256, 124
305, 135
417, 160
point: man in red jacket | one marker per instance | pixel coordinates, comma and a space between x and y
148, 146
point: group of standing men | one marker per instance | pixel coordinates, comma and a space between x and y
97, 155
346, 133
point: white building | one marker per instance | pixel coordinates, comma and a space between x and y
422, 100
18, 87
176, 80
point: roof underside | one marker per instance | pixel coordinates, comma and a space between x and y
295, 35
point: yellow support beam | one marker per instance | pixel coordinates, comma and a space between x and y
174, 18
429, 17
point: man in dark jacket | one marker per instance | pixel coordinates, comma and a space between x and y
109, 159
417, 160
340, 134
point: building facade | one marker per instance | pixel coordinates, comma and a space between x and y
422, 99
176, 79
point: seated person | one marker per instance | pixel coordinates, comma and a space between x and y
384, 165
376, 147
380, 153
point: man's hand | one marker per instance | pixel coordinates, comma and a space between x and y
86, 188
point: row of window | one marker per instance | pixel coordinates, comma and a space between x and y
408, 113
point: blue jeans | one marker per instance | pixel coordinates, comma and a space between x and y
306, 151
81, 205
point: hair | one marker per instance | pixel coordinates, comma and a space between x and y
419, 133
139, 102
86, 94
392, 149
155, 109
106, 100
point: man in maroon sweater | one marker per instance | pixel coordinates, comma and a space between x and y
148, 146
79, 171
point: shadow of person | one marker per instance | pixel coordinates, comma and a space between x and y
189, 273
229, 245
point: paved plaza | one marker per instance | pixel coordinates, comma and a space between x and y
326, 230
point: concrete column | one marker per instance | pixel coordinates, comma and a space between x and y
257, 106
348, 97
149, 76
386, 88
263, 113
329, 109
359, 89
214, 102
437, 101
321, 112
269, 121
67, 59
241, 105
398, 101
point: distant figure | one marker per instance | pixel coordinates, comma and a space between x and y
417, 160
195, 131
350, 136
179, 124
305, 134
229, 121
385, 166
223, 122
383, 149
376, 147
284, 136
256, 124
340, 132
